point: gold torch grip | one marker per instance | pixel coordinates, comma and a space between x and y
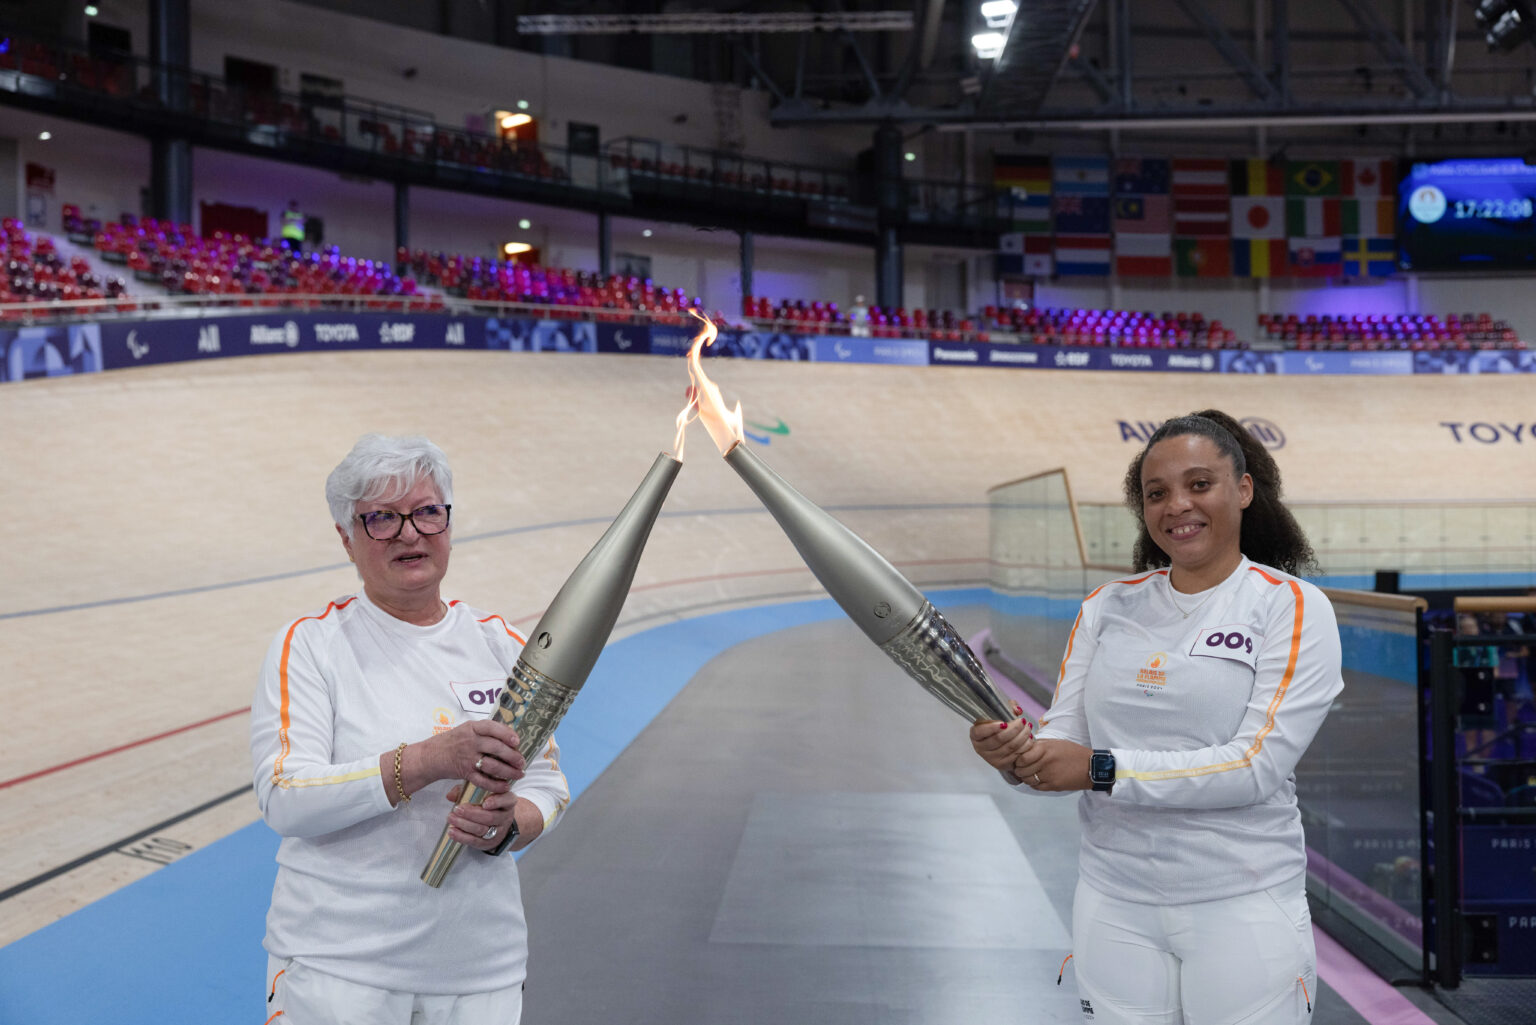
532, 704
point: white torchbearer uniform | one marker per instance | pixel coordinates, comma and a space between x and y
337, 689
1206, 716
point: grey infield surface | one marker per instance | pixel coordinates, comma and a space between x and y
803, 837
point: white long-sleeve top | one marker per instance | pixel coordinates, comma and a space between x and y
1207, 716
337, 689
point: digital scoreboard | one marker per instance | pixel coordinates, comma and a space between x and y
1473, 215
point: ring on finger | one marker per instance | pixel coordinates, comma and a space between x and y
490, 834
478, 762
1037, 779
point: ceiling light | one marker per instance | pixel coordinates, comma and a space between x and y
45, 136
910, 156
515, 120
525, 224
514, 248
989, 45
998, 12
522, 104
646, 233
91, 10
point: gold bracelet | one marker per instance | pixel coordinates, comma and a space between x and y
399, 784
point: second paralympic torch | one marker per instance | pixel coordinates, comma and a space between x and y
885, 605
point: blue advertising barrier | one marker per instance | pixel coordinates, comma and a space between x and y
137, 343
1485, 361
1036, 357
51, 351
1291, 362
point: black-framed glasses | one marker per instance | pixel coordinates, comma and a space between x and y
386, 524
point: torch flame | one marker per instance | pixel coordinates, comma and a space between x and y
704, 401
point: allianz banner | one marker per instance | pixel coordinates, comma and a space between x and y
135, 343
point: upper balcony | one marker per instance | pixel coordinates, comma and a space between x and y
642, 177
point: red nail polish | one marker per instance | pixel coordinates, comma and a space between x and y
1004, 726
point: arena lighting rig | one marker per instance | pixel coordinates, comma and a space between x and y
1505, 23
679, 24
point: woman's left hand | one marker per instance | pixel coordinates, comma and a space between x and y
469, 823
1054, 765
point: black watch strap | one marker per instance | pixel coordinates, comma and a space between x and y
507, 840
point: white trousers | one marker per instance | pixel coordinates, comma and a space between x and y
1246, 960
298, 995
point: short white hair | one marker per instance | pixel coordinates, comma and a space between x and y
382, 469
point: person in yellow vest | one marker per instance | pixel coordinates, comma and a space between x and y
293, 226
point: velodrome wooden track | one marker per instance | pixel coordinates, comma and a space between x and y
165, 522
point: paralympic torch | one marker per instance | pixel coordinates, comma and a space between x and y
570, 635
885, 605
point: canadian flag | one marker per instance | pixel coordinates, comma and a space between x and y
1372, 177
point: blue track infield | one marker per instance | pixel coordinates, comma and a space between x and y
184, 944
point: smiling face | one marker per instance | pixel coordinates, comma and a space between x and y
1193, 500
404, 574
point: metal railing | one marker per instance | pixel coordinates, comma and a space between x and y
164, 94
171, 307
661, 164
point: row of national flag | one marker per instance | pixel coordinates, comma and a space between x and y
1075, 215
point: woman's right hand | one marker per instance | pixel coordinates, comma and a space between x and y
482, 751
999, 744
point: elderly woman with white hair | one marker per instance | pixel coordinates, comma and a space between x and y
364, 708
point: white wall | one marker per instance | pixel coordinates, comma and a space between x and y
456, 79
100, 171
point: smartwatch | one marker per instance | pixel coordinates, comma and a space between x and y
1101, 770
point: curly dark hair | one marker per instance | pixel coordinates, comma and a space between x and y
1270, 534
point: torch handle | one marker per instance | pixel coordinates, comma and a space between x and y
935, 655
532, 705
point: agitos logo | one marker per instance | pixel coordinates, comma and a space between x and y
1265, 432
750, 428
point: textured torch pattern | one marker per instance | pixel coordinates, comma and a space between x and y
568, 638
933, 654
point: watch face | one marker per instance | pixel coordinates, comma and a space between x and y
1102, 768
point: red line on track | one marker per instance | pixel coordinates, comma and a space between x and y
122, 747
241, 711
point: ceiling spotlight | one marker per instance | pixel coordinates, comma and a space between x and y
998, 12
910, 156
514, 248
1505, 23
45, 136
510, 121
646, 233
525, 224
91, 10
522, 104
989, 45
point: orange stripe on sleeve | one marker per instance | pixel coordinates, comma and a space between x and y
282, 675
1071, 637
519, 638
1290, 665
